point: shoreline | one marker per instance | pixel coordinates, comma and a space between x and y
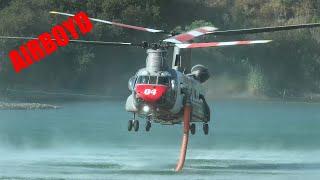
266, 99
76, 98
26, 106
40, 96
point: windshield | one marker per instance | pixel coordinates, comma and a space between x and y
143, 80
153, 80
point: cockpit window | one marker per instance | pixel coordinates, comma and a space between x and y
143, 80
153, 80
163, 80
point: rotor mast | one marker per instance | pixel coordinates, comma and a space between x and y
156, 60
181, 60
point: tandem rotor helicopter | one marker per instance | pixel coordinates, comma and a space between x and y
160, 92
174, 94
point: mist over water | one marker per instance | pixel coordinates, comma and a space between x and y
247, 140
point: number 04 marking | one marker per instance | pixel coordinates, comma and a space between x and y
150, 91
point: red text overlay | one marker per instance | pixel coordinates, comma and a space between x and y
48, 42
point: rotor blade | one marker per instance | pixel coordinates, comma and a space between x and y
17, 37
184, 37
105, 43
78, 41
218, 44
264, 29
116, 24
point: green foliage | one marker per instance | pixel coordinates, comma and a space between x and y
195, 24
256, 81
290, 62
84, 60
198, 23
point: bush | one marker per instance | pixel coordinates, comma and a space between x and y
256, 81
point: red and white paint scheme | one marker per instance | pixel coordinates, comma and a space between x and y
184, 37
150, 92
218, 44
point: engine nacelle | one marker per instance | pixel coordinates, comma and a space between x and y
200, 73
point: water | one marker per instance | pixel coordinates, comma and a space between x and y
247, 140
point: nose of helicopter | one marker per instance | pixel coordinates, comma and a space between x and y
150, 92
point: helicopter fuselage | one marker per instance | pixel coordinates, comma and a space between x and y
160, 96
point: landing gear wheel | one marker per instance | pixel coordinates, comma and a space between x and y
193, 128
130, 124
206, 128
136, 125
148, 126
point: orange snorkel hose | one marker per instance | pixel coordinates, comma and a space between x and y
185, 138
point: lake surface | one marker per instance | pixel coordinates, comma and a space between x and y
89, 140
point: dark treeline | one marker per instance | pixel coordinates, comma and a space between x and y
290, 64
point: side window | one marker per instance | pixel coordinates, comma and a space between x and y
132, 82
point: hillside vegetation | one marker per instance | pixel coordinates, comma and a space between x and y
290, 64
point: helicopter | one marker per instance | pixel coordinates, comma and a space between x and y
160, 91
